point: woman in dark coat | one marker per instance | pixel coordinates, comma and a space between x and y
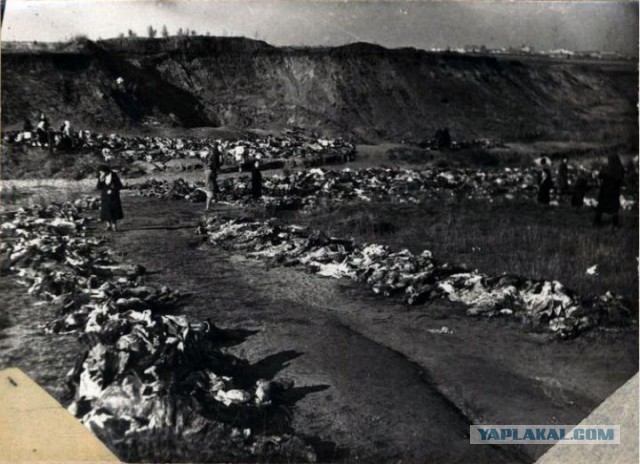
611, 178
545, 184
256, 180
110, 208
563, 177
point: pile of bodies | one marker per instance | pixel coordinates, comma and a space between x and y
418, 278
143, 371
312, 186
306, 189
295, 148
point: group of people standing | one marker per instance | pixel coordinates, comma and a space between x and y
110, 185
46, 137
213, 163
611, 179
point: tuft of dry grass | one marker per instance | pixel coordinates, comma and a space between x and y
553, 243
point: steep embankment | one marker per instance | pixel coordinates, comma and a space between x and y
359, 89
84, 87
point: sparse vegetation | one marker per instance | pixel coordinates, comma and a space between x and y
4, 320
516, 238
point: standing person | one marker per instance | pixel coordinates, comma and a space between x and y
579, 190
256, 180
27, 126
66, 140
27, 131
213, 163
563, 177
239, 156
632, 177
545, 183
42, 129
110, 206
611, 178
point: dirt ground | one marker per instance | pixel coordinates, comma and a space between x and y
46, 358
375, 383
378, 385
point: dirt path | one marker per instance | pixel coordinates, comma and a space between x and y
46, 358
360, 395
376, 380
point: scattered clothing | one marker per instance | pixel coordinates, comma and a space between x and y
139, 371
420, 278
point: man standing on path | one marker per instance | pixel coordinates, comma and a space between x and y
545, 183
611, 178
563, 177
256, 180
212, 165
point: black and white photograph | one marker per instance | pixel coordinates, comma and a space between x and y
319, 231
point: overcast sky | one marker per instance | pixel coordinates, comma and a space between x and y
580, 25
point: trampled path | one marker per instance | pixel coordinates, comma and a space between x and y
376, 382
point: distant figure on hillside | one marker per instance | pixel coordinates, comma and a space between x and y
212, 165
27, 126
110, 207
66, 139
611, 178
256, 180
563, 177
580, 188
27, 132
545, 183
443, 138
42, 130
632, 177
66, 129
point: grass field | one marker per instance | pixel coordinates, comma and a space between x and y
368, 354
527, 239
521, 238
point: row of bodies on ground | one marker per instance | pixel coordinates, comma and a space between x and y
419, 278
307, 189
143, 373
293, 146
